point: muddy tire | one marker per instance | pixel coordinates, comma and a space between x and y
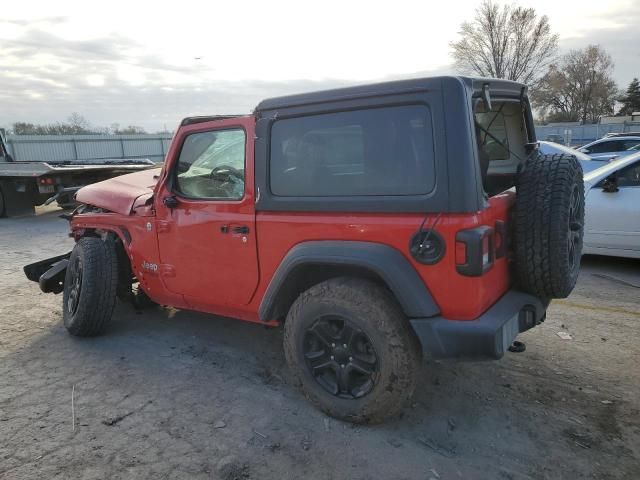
351, 350
90, 287
549, 225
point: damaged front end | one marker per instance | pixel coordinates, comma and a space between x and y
49, 273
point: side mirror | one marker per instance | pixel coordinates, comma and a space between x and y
170, 202
610, 184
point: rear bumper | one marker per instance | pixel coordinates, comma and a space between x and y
487, 337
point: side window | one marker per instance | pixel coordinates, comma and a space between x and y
608, 146
628, 144
211, 165
629, 176
376, 151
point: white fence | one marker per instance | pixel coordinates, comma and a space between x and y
88, 148
92, 148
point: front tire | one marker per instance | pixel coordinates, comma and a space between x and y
90, 287
351, 349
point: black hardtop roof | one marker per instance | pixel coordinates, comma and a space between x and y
497, 87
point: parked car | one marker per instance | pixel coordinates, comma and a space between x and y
609, 148
587, 163
612, 208
622, 134
372, 222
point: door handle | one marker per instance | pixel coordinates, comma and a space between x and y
241, 229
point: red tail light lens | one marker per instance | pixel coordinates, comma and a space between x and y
478, 247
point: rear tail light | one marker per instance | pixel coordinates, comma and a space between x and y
46, 181
475, 250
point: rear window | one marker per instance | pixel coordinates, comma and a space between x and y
493, 135
379, 151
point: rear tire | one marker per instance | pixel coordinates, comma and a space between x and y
549, 225
351, 349
90, 287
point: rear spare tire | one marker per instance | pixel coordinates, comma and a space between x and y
351, 349
90, 287
549, 225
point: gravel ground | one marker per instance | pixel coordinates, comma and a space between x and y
176, 394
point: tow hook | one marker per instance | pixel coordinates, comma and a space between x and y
517, 347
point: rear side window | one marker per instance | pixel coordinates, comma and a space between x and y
629, 144
376, 151
608, 146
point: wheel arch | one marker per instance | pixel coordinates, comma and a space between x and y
309, 263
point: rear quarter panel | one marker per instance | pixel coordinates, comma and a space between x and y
458, 296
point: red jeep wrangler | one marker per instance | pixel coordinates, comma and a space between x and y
375, 223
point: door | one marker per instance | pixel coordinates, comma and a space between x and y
613, 218
206, 216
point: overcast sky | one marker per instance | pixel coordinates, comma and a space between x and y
147, 64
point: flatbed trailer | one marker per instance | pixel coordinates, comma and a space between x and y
27, 184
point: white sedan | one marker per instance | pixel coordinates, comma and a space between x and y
612, 209
552, 148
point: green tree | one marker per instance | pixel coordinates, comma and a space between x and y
631, 99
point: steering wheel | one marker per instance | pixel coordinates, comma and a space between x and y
226, 168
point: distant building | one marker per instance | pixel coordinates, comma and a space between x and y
563, 124
634, 117
612, 120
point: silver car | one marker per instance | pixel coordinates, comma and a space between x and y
551, 148
609, 148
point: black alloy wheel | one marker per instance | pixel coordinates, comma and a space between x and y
351, 349
340, 357
90, 287
576, 218
75, 275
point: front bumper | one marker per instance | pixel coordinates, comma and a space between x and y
488, 336
49, 273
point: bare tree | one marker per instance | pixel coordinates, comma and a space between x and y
505, 42
579, 87
78, 123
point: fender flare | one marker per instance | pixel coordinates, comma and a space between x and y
384, 261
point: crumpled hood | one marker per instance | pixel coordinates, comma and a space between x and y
119, 194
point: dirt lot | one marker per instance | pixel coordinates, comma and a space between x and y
169, 394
